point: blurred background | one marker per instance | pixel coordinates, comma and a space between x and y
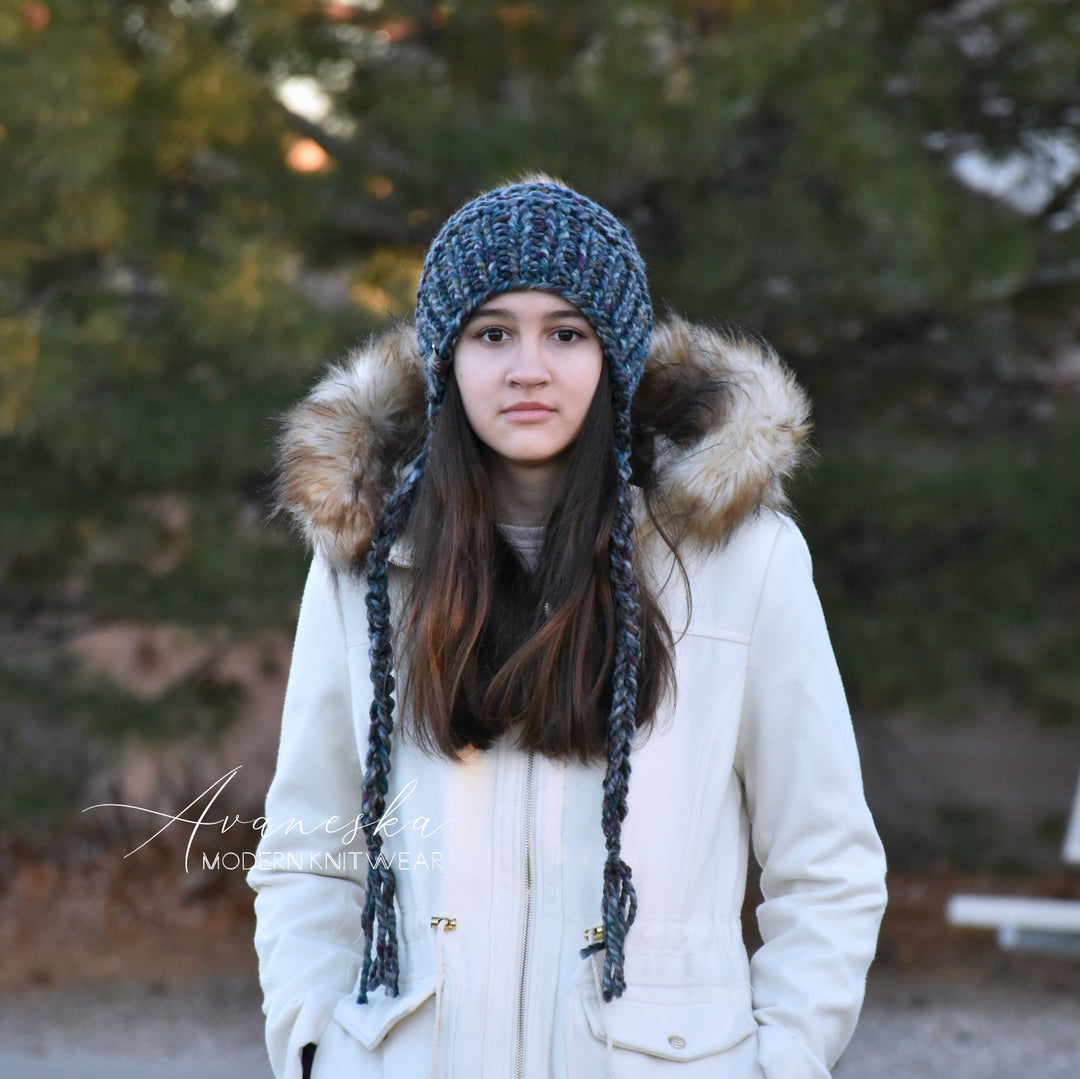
202, 202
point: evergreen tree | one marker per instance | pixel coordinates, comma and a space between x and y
202, 201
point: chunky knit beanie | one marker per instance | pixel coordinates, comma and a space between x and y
537, 234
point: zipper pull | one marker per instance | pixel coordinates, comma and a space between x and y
443, 921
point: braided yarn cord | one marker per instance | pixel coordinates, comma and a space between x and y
537, 234
379, 919
619, 906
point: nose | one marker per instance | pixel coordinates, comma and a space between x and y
528, 367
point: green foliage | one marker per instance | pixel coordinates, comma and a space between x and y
184, 244
948, 564
61, 725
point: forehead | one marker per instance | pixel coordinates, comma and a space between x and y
528, 303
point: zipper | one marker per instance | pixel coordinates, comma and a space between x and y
527, 828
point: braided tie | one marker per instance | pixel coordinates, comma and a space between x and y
379, 920
619, 905
536, 234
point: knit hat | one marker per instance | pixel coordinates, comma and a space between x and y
537, 234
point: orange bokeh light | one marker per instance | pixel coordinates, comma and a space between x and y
37, 15
306, 155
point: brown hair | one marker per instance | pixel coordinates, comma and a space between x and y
486, 645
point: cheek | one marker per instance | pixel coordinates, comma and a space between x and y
473, 391
587, 382
464, 377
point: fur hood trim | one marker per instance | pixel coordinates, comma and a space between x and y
342, 448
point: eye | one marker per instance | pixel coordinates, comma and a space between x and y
567, 335
494, 335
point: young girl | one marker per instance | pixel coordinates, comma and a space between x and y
550, 552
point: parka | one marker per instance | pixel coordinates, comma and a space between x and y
499, 856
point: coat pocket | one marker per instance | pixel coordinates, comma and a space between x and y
387, 1038
684, 1031
370, 1023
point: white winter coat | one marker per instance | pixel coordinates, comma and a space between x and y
757, 748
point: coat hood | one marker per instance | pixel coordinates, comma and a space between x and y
342, 449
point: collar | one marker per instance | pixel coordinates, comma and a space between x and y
343, 448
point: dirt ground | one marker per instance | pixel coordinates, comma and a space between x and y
140, 971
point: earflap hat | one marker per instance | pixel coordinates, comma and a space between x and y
536, 234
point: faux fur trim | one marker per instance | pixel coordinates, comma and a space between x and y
714, 479
342, 448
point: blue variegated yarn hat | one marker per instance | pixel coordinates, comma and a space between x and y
537, 234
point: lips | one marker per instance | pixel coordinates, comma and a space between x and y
528, 410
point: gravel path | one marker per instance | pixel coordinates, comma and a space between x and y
1015, 1020
915, 1028
210, 1029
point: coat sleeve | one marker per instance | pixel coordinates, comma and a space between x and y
309, 866
822, 863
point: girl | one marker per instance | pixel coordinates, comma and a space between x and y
549, 550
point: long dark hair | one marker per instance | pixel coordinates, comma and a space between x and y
486, 645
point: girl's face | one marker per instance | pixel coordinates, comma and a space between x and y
527, 365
